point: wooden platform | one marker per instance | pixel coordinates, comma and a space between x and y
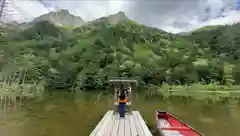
112, 125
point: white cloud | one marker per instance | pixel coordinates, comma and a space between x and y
170, 15
232, 17
87, 9
28, 9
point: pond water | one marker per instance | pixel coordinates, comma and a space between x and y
67, 114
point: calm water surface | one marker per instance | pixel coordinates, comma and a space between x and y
65, 114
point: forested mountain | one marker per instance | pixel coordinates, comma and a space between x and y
223, 41
86, 56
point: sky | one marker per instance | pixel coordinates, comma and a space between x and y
170, 15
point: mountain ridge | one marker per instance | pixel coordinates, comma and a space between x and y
65, 18
61, 18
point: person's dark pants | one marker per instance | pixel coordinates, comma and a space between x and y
121, 109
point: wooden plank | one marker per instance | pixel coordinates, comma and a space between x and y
113, 125
127, 131
116, 126
95, 131
143, 124
105, 125
110, 126
121, 127
132, 126
137, 124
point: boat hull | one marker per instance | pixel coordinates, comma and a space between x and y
169, 125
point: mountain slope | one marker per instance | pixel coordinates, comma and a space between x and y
108, 20
86, 56
221, 40
61, 18
122, 49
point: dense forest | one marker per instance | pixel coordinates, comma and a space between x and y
84, 57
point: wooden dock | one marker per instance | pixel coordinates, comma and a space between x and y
112, 125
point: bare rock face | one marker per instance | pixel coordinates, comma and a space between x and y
61, 18
112, 19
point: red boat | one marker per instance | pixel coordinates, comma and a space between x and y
169, 125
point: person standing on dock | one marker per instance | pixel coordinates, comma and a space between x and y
122, 102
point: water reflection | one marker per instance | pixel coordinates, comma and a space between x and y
67, 114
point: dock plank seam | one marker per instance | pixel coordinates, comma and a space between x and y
104, 125
143, 124
115, 127
99, 124
127, 127
121, 127
138, 126
111, 124
132, 126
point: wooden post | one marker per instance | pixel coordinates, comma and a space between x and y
115, 104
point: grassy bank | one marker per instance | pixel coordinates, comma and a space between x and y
212, 92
